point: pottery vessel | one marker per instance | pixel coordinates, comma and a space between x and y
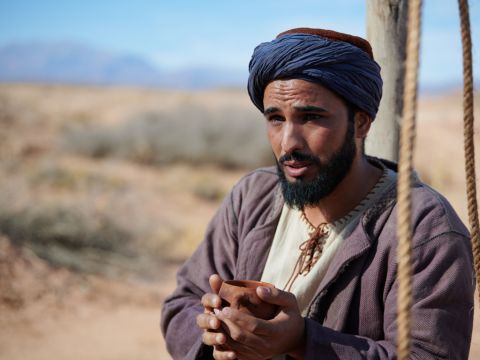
241, 295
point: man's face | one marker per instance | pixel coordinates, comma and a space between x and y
311, 137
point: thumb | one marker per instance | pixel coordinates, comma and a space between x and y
276, 296
215, 282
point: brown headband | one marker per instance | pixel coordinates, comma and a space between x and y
334, 35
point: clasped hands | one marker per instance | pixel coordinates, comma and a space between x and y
236, 335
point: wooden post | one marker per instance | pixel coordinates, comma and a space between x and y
386, 31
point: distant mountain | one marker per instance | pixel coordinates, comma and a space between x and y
69, 62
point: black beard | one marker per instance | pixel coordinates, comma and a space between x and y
302, 193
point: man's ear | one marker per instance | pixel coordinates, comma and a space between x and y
362, 124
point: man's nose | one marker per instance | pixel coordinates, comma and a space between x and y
292, 138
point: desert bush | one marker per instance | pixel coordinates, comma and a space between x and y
69, 236
71, 177
230, 137
70, 227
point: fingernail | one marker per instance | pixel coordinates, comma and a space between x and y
219, 339
216, 311
265, 290
231, 355
213, 323
227, 311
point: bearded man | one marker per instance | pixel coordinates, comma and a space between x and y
321, 227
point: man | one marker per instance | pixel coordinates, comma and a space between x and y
322, 228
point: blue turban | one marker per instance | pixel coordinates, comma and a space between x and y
341, 67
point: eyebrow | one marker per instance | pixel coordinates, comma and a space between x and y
309, 108
305, 108
270, 110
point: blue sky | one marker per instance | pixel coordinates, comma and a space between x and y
176, 34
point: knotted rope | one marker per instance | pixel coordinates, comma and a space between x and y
405, 169
468, 129
310, 251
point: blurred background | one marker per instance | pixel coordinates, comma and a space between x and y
123, 125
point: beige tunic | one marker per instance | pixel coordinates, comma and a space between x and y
292, 231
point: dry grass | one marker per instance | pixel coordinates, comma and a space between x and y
64, 225
94, 214
232, 137
87, 213
103, 192
76, 163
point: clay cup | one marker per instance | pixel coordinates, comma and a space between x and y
241, 295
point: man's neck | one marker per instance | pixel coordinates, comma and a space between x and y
356, 185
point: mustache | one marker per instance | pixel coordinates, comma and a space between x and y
298, 156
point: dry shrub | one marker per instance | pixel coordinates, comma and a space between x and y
230, 137
60, 232
71, 177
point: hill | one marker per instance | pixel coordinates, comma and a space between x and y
76, 63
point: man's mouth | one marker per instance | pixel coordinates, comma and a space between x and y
295, 168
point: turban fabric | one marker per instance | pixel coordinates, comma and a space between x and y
340, 66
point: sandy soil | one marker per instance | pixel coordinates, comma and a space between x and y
94, 318
54, 313
93, 332
127, 332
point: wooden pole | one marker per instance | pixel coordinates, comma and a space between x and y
386, 31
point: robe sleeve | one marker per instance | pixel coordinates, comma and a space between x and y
442, 311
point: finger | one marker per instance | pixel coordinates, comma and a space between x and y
215, 282
208, 322
276, 296
236, 332
223, 355
211, 301
213, 339
242, 320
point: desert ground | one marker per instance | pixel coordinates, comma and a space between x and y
104, 192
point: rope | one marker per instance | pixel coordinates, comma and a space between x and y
468, 135
310, 251
405, 169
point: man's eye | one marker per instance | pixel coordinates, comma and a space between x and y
275, 119
312, 117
